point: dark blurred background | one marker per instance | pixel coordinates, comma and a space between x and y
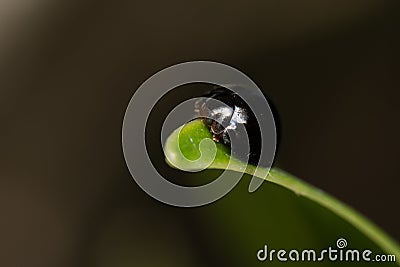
69, 68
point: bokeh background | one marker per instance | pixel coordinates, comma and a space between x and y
69, 68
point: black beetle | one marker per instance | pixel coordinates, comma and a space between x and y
236, 113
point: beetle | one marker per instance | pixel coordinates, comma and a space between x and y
225, 121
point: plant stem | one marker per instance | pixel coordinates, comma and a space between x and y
187, 139
344, 211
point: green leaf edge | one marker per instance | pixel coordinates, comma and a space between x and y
184, 144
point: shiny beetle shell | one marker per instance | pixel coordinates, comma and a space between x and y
236, 113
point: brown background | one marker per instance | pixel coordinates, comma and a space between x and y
69, 68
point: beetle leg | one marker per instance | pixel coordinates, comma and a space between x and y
215, 138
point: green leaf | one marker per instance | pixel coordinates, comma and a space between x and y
284, 213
